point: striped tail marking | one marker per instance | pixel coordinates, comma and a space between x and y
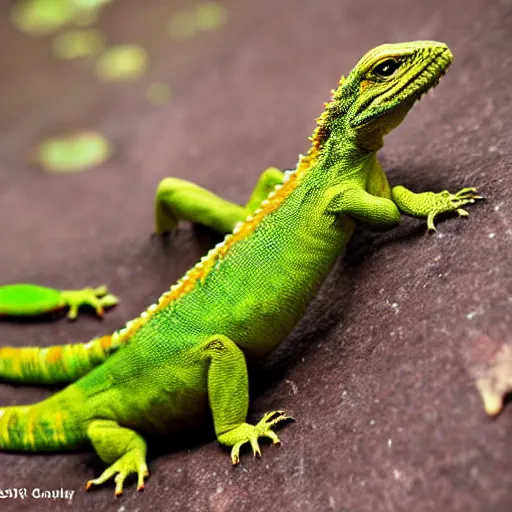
60, 364
33, 428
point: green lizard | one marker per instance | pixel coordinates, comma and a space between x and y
24, 299
185, 356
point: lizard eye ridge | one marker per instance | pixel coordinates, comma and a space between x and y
386, 68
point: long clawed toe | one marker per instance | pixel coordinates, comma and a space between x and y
141, 479
119, 478
446, 201
273, 418
246, 433
468, 195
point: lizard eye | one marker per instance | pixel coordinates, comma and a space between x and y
387, 68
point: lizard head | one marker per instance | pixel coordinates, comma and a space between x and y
386, 82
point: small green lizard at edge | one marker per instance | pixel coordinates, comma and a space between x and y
186, 355
25, 299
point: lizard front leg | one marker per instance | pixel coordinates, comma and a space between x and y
426, 204
384, 213
183, 200
228, 395
431, 204
361, 205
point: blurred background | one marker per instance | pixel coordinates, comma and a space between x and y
101, 99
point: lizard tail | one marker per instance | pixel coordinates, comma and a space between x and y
39, 427
60, 364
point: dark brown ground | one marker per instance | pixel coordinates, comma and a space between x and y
388, 416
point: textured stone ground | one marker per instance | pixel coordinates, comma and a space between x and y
378, 374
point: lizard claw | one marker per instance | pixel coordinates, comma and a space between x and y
246, 433
445, 201
120, 470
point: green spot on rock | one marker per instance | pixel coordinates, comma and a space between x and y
90, 4
42, 17
122, 62
78, 43
211, 16
74, 153
205, 16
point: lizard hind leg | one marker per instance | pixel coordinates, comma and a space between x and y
228, 394
123, 449
183, 200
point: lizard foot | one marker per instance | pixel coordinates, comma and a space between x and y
246, 433
445, 201
98, 298
129, 463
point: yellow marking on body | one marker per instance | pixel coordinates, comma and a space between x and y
13, 355
29, 437
8, 352
54, 354
4, 423
105, 342
364, 85
59, 432
196, 274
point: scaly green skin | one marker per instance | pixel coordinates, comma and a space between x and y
187, 354
32, 300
